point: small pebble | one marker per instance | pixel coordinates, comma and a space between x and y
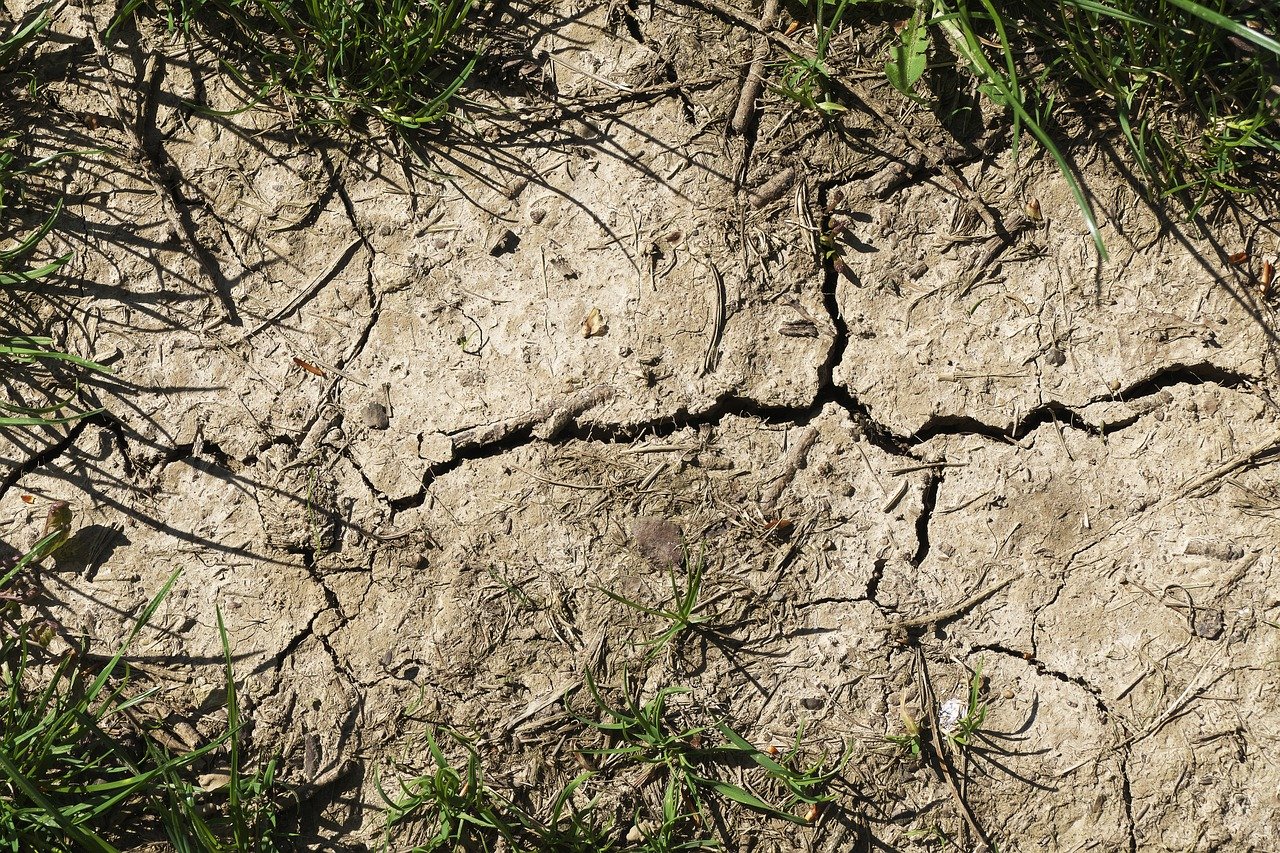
375, 416
659, 539
1208, 623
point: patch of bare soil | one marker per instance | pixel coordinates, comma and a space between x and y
406, 416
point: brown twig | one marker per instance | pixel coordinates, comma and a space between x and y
793, 463
945, 613
712, 355
744, 114
309, 291
928, 700
1249, 457
547, 420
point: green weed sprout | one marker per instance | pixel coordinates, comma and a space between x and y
251, 807
456, 807
912, 739
460, 812
805, 79
643, 735
683, 616
974, 714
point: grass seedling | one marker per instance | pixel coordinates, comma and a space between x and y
806, 79
683, 616
934, 834
570, 828
961, 736
460, 812
643, 734
958, 730
12, 44
1004, 87
78, 769
455, 807
23, 358
912, 739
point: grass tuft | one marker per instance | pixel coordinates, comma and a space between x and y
79, 770
684, 615
643, 733
1193, 88
395, 60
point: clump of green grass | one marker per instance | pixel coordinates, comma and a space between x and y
688, 756
27, 359
396, 60
684, 615
451, 805
960, 722
806, 80
457, 810
247, 819
1194, 88
78, 770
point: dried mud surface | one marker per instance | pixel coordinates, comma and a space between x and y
919, 456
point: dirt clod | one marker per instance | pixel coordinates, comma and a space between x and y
658, 539
374, 416
506, 241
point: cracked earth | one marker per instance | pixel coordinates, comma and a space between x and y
353, 401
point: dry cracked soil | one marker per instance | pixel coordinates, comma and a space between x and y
406, 413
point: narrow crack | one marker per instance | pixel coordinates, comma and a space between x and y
928, 502
727, 405
627, 13
331, 603
43, 457
873, 584
1126, 797
375, 312
1043, 669
730, 404
277, 660
831, 599
1202, 373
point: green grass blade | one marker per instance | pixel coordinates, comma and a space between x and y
87, 840
235, 806
1096, 7
745, 798
98, 683
36, 422
1221, 21
966, 43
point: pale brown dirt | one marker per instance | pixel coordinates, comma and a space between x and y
1092, 438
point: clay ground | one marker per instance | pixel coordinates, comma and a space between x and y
354, 403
